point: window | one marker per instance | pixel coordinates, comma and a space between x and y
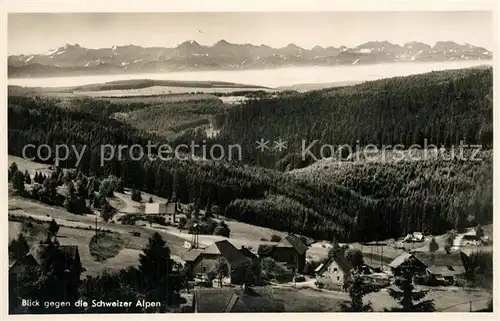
335, 270
338, 278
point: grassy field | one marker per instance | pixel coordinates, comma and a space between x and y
133, 84
159, 91
154, 99
104, 246
27, 165
73, 226
449, 299
309, 300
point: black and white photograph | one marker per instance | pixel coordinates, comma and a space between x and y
267, 161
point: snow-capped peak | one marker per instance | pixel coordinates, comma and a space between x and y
51, 52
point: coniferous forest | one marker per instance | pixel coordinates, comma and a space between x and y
349, 201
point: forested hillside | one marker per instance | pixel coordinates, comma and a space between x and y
441, 108
347, 202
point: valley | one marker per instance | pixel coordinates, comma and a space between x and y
350, 199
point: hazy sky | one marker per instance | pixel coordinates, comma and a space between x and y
40, 32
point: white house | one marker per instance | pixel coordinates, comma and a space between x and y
333, 272
169, 210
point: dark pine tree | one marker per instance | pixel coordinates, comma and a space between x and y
12, 170
18, 247
357, 288
107, 211
53, 228
410, 299
27, 177
18, 182
155, 267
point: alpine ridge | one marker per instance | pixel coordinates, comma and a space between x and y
190, 55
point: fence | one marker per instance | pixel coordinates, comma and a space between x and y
467, 306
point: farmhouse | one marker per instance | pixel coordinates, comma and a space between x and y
333, 272
72, 261
169, 210
244, 299
203, 261
440, 265
290, 250
414, 237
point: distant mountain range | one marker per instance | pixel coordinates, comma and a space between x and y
190, 55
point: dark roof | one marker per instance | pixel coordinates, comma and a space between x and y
399, 260
442, 259
447, 270
307, 240
257, 299
249, 254
235, 304
25, 260
341, 261
70, 252
439, 259
234, 257
192, 255
292, 240
265, 249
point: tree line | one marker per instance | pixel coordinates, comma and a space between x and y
373, 201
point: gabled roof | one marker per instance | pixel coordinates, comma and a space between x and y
191, 255
439, 261
399, 260
34, 257
256, 299
442, 259
341, 261
319, 268
235, 304
447, 270
291, 240
234, 257
28, 259
70, 252
249, 254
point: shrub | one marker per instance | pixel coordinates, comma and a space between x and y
129, 219
319, 284
222, 229
135, 195
275, 238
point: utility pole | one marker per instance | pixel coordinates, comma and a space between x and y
382, 257
96, 224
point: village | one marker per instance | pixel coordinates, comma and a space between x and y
230, 271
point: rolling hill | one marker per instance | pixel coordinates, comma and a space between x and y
356, 202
